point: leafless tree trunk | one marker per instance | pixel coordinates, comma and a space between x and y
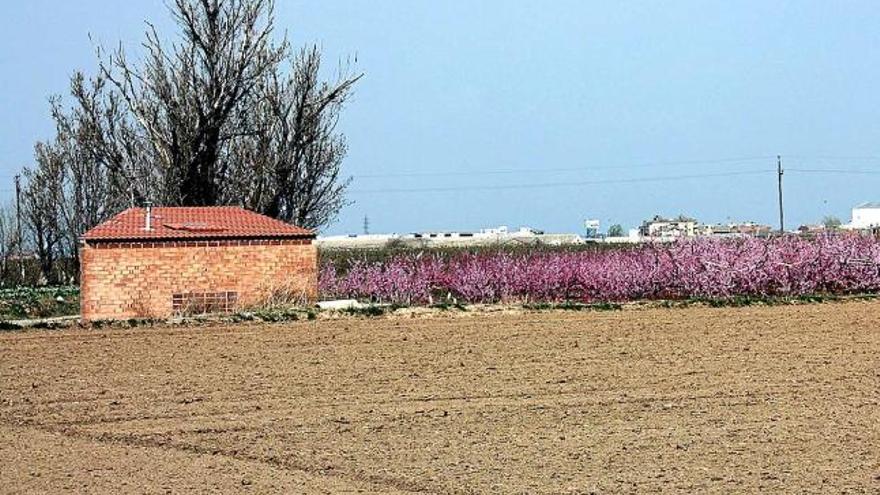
8, 243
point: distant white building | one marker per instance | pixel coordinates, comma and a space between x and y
496, 235
734, 229
668, 229
500, 230
365, 241
632, 237
660, 229
865, 216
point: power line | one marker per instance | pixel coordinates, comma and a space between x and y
561, 184
835, 157
565, 169
833, 171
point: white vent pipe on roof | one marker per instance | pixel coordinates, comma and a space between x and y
149, 207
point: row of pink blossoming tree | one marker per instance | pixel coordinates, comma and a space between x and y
703, 268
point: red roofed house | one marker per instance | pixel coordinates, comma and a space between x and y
159, 262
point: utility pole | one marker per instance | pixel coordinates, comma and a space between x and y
18, 224
366, 225
779, 173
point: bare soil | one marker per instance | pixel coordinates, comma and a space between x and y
698, 400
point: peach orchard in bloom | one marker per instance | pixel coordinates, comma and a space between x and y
702, 268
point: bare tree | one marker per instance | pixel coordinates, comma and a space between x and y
41, 200
80, 178
830, 222
187, 96
290, 167
615, 230
8, 243
220, 114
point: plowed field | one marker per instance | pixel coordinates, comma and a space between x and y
748, 400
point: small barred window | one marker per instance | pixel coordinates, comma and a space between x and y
192, 303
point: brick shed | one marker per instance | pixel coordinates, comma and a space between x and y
158, 262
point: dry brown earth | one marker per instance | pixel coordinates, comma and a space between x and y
751, 400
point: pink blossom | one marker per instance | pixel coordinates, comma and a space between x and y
701, 268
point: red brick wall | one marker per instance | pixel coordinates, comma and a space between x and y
138, 280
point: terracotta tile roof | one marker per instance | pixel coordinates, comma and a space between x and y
203, 222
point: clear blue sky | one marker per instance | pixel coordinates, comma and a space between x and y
512, 93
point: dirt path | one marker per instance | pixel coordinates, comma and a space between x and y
779, 399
